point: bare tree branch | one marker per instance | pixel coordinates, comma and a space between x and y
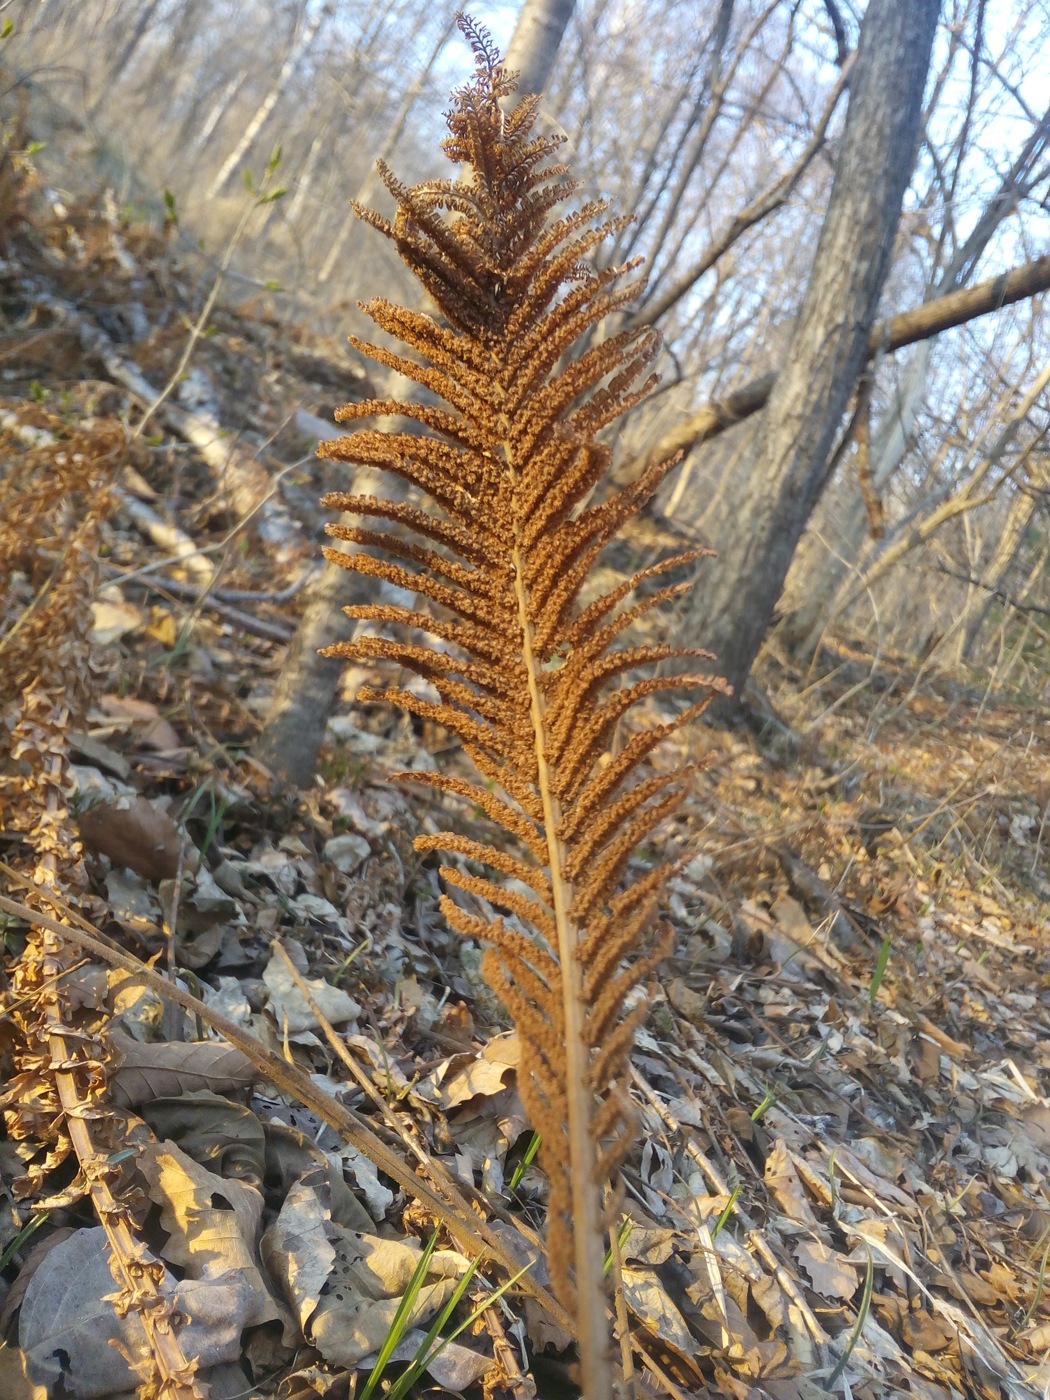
760, 208
907, 328
995, 591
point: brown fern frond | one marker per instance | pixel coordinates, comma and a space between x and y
54, 1104
532, 682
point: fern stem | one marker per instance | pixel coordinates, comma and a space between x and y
591, 1318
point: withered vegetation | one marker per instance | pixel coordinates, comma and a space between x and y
55, 1102
509, 466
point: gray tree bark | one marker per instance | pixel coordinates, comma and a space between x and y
535, 42
828, 346
804, 626
992, 574
305, 693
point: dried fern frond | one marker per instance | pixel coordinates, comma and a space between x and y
532, 683
54, 1101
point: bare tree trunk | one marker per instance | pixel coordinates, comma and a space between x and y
306, 175
125, 53
393, 136
829, 344
306, 688
534, 44
304, 37
1007, 548
804, 627
217, 111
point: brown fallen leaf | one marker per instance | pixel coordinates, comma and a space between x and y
112, 616
14, 1384
169, 1069
213, 1226
923, 1332
647, 1298
464, 1077
831, 1275
925, 1059
147, 724
783, 1181
131, 832
225, 1137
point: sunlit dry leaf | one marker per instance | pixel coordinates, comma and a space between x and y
647, 1299
650, 1246
297, 1249
783, 1181
345, 1286
113, 617
163, 627
850, 1166
349, 1326
464, 1077
212, 1224
148, 725
292, 1010
225, 1137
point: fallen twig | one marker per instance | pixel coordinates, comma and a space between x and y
165, 535
238, 470
210, 599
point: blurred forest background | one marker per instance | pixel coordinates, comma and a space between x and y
716, 123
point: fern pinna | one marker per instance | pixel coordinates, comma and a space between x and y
500, 549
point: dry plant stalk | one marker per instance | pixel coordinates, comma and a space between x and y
504, 544
55, 1102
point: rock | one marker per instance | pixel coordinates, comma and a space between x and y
347, 853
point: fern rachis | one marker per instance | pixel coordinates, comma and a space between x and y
531, 682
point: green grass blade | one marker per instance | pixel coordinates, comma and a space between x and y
727, 1211
400, 1323
527, 1157
880, 969
421, 1362
19, 1240
858, 1326
426, 1349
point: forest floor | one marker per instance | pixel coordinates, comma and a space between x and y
844, 1078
